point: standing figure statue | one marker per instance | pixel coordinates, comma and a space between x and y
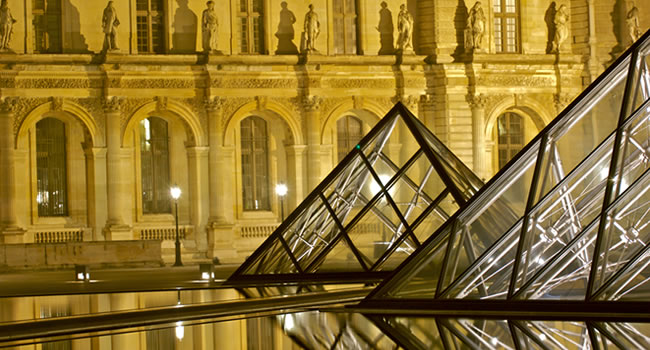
109, 27
561, 21
210, 28
311, 30
6, 26
632, 21
475, 29
404, 28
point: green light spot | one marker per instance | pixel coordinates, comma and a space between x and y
358, 147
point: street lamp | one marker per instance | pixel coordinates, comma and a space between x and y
176, 194
281, 191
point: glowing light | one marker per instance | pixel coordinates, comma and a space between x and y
80, 276
494, 341
180, 330
175, 192
288, 322
281, 189
205, 275
374, 186
542, 337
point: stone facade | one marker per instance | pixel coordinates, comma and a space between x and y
102, 95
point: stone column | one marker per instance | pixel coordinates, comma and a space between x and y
477, 104
214, 109
115, 228
11, 232
295, 172
310, 107
96, 174
198, 172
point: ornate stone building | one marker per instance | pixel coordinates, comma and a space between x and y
103, 109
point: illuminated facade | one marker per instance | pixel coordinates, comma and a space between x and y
104, 108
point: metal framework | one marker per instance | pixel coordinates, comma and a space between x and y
565, 224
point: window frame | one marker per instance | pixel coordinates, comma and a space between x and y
502, 33
341, 153
511, 148
345, 15
46, 48
266, 187
64, 182
156, 211
250, 16
150, 14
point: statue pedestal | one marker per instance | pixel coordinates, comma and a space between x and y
12, 235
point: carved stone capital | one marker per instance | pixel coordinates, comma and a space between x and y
410, 101
161, 103
561, 100
427, 100
476, 101
8, 105
214, 104
309, 103
57, 104
113, 104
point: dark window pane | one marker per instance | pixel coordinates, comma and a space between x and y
254, 159
154, 166
510, 130
51, 179
348, 134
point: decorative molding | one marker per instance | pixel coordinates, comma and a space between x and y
230, 105
427, 101
491, 101
254, 83
420, 83
21, 107
94, 107
514, 80
328, 104
359, 83
57, 83
476, 101
410, 101
7, 82
8, 105
157, 83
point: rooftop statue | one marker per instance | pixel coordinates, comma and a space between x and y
210, 27
311, 30
6, 26
109, 27
405, 29
475, 29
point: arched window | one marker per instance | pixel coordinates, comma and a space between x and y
348, 134
506, 26
510, 131
254, 163
345, 26
154, 165
51, 195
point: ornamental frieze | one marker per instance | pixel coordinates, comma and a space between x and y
57, 83
7, 83
360, 83
514, 80
157, 83
252, 83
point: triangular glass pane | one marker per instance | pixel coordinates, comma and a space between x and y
424, 281
308, 236
566, 275
559, 334
436, 217
626, 335
398, 255
424, 329
602, 341
564, 212
277, 261
340, 258
526, 340
490, 276
626, 238
641, 81
482, 334
485, 223
636, 149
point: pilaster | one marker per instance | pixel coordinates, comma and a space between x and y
310, 107
477, 104
11, 232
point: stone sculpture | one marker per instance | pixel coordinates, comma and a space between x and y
210, 27
6, 26
311, 30
632, 22
109, 27
561, 21
405, 29
475, 29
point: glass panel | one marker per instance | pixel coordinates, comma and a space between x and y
51, 177
635, 153
424, 329
154, 166
625, 236
254, 160
341, 259
626, 335
559, 334
498, 30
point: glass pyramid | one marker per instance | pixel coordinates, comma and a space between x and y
396, 187
561, 233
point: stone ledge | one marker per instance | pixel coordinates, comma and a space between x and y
94, 254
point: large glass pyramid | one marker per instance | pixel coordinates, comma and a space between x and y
396, 187
554, 252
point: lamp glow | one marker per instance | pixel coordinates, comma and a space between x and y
180, 330
281, 189
175, 192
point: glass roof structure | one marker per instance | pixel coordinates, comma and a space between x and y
395, 188
554, 252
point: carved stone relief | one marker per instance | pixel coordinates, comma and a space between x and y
514, 80
57, 83
20, 107
157, 83
361, 83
